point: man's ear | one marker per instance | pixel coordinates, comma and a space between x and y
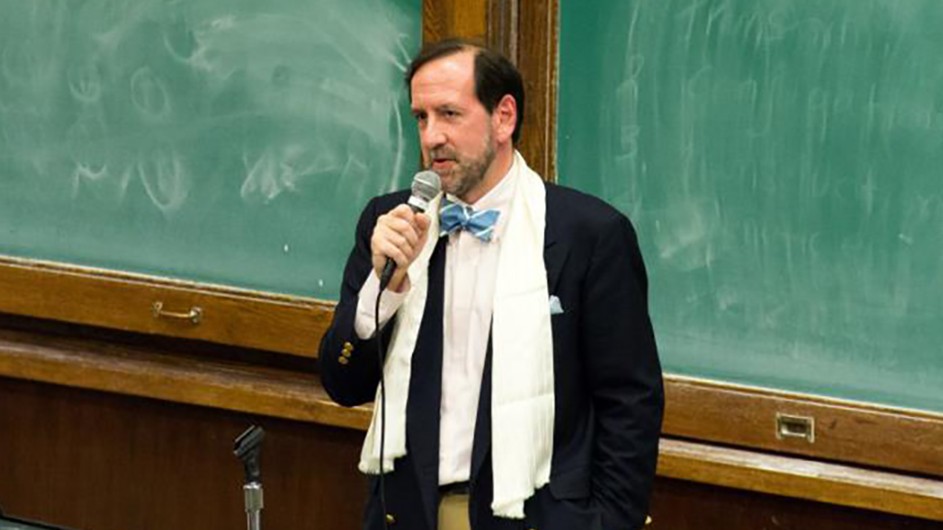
504, 118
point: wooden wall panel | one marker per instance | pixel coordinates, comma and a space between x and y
799, 478
536, 56
682, 505
442, 19
99, 461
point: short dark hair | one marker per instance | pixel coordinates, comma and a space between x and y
495, 75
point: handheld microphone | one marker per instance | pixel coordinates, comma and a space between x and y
426, 186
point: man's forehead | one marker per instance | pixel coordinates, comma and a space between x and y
455, 70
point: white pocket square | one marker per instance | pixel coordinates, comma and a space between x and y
556, 308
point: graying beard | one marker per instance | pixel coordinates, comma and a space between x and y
476, 174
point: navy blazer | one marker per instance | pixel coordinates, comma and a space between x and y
608, 384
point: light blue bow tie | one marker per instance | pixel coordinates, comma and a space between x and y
454, 216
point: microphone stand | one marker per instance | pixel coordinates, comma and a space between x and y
248, 447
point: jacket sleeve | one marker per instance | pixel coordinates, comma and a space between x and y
624, 376
350, 369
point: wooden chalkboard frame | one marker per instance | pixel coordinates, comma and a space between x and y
855, 433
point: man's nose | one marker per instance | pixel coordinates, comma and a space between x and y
432, 135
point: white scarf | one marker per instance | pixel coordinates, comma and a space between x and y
522, 396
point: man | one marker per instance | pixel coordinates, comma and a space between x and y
523, 387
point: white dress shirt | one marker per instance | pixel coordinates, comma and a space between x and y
470, 271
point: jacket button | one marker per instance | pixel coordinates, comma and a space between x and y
342, 360
390, 519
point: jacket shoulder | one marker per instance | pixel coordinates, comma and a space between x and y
386, 202
580, 208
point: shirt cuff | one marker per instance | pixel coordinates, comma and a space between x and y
366, 304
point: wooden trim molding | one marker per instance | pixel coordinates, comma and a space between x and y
192, 379
503, 34
104, 366
125, 301
442, 19
860, 433
535, 53
802, 479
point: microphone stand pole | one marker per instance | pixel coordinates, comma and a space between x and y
248, 447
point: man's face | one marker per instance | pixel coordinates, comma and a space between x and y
455, 129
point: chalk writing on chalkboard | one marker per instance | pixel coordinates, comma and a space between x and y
224, 141
781, 161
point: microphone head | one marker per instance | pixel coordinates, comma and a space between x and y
426, 185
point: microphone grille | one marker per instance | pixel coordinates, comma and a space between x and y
426, 185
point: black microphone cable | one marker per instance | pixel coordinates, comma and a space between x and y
380, 359
426, 185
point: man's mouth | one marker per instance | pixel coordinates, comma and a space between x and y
442, 163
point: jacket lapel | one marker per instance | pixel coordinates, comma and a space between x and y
555, 250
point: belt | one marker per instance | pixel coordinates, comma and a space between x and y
454, 488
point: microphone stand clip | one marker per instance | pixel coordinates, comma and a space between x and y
248, 447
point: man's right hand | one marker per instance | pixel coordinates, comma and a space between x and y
400, 235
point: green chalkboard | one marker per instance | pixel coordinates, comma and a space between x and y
230, 142
783, 163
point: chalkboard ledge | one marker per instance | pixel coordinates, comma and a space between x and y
162, 306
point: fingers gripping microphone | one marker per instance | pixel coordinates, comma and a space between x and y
426, 186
